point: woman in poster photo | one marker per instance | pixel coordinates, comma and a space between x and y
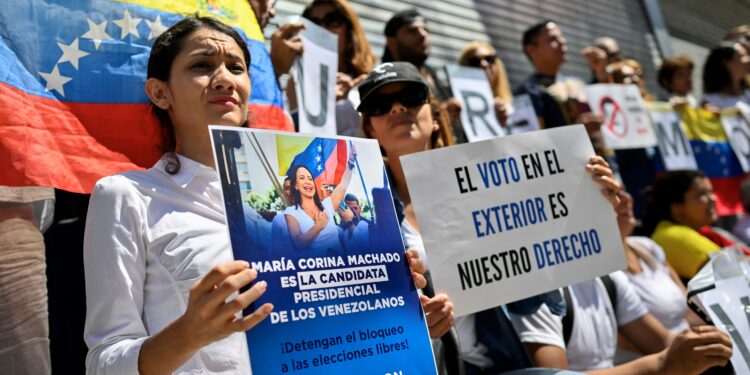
310, 220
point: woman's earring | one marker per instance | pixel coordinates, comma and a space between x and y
435, 126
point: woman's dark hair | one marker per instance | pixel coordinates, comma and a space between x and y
359, 56
716, 76
296, 196
667, 189
163, 53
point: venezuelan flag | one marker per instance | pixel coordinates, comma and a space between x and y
715, 157
72, 72
326, 158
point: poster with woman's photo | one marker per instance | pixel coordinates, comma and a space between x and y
315, 217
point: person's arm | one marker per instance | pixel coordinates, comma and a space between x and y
647, 334
603, 175
208, 318
114, 261
691, 352
286, 45
340, 191
115, 267
303, 240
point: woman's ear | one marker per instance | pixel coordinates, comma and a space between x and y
157, 91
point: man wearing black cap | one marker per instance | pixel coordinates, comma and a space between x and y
407, 39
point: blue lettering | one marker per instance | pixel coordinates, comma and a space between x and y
476, 224
539, 256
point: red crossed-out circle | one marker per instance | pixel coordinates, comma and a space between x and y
610, 120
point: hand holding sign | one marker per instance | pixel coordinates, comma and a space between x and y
286, 45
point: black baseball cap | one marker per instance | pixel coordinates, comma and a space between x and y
385, 73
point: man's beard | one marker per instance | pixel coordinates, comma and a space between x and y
410, 55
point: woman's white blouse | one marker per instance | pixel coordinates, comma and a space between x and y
149, 237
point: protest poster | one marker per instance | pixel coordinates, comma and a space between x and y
522, 117
314, 74
728, 305
342, 291
512, 217
471, 88
736, 123
626, 122
673, 142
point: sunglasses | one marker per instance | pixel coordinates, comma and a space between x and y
477, 61
332, 19
380, 104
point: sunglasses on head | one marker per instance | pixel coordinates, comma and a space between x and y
477, 61
331, 19
380, 104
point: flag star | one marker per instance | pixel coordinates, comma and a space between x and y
318, 158
320, 148
156, 27
319, 168
55, 81
96, 32
71, 53
697, 149
129, 25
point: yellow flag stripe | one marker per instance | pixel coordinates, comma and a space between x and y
236, 13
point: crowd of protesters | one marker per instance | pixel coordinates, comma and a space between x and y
172, 317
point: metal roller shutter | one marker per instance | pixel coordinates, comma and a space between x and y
454, 23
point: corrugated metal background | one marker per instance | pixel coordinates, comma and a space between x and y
704, 22
454, 23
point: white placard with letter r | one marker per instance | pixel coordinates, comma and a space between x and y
471, 88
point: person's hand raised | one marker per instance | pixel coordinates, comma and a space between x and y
286, 45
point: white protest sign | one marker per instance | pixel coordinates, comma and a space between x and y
672, 140
522, 118
315, 79
471, 88
626, 122
736, 123
728, 305
512, 217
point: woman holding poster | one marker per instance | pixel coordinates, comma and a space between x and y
162, 289
310, 220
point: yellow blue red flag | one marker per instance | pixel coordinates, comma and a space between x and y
72, 72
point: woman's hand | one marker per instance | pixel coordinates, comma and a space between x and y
501, 111
417, 268
321, 220
285, 46
209, 317
602, 175
439, 313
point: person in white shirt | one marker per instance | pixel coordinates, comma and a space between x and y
653, 279
724, 76
162, 290
599, 314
